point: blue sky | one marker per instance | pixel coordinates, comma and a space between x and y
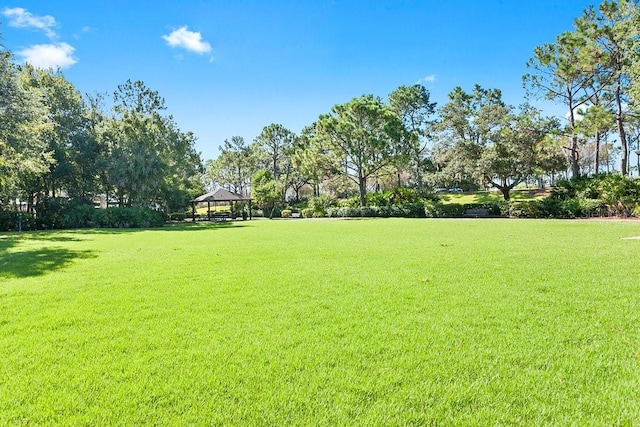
230, 68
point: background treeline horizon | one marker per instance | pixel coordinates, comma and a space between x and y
125, 148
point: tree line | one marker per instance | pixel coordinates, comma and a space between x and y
125, 147
472, 141
56, 143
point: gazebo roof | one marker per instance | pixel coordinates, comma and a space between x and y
221, 195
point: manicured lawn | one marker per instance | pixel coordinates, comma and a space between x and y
323, 322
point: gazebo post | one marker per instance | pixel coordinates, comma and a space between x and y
250, 209
208, 210
193, 210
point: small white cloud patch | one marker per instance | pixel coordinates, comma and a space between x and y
21, 18
189, 40
49, 55
431, 78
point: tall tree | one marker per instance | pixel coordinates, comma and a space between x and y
559, 73
23, 121
311, 159
365, 134
613, 31
412, 104
520, 150
596, 122
469, 122
276, 143
69, 140
234, 166
146, 147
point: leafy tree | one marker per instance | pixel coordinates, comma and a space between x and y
519, 151
412, 104
365, 134
24, 155
596, 122
484, 139
468, 124
275, 142
148, 156
69, 140
265, 191
311, 159
234, 166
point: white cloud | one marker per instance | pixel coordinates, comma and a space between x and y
49, 55
431, 78
189, 40
21, 18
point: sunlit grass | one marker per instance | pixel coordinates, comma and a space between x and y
325, 322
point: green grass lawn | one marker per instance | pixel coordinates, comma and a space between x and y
323, 322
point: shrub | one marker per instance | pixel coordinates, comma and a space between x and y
526, 209
122, 217
307, 213
434, 209
286, 213
590, 207
61, 212
322, 202
370, 211
12, 220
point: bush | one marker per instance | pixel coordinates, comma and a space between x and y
526, 209
60, 212
321, 203
590, 207
121, 217
620, 194
12, 220
286, 213
307, 213
434, 209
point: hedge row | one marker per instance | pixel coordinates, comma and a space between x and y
543, 208
413, 210
82, 217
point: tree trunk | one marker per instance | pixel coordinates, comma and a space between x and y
573, 159
621, 132
506, 193
362, 184
597, 162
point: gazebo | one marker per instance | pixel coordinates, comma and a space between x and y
220, 196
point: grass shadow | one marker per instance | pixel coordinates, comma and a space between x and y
36, 262
179, 226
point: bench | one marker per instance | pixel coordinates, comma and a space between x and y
476, 212
220, 216
295, 214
